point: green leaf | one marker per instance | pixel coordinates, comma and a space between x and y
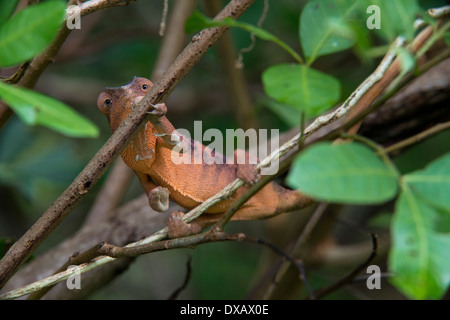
323, 27
397, 18
420, 255
29, 32
34, 163
301, 87
407, 60
196, 22
292, 117
348, 173
433, 182
6, 9
34, 108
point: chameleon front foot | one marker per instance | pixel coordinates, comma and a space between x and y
246, 166
159, 110
248, 173
178, 228
158, 199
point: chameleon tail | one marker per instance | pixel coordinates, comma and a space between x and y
290, 200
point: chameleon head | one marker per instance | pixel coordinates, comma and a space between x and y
116, 103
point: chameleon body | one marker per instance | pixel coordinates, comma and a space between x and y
149, 155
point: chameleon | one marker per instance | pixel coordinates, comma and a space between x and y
188, 184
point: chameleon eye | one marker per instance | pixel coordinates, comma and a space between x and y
144, 86
107, 102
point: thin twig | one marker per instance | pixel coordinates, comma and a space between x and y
294, 252
418, 137
439, 13
175, 37
162, 25
183, 286
238, 63
319, 294
252, 190
91, 6
376, 147
17, 76
289, 260
114, 252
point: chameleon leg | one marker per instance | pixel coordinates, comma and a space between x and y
158, 197
246, 171
178, 228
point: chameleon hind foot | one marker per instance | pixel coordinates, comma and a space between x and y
158, 199
178, 228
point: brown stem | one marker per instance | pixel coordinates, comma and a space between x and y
115, 144
319, 294
174, 36
190, 242
295, 251
183, 286
17, 76
387, 79
418, 137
